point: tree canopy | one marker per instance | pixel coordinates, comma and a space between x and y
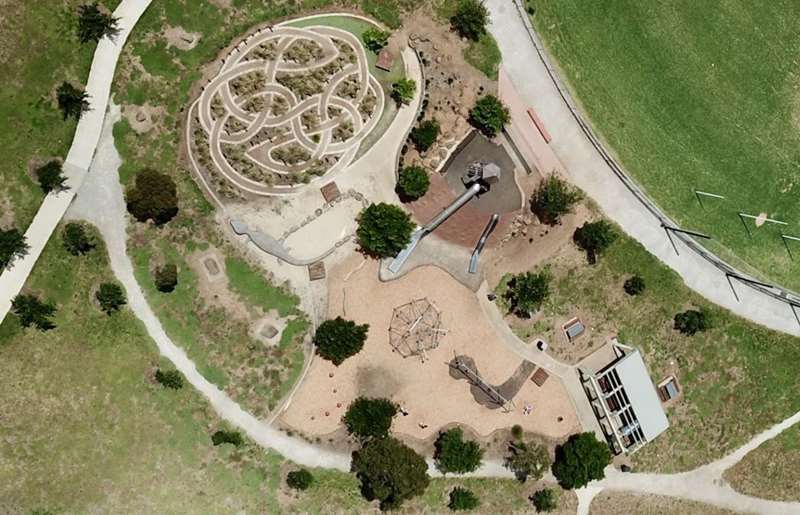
154, 197
413, 182
375, 39
338, 339
489, 115
12, 246
456, 455
527, 460
692, 321
166, 278
94, 24
169, 379
76, 240
111, 297
390, 472
470, 19
527, 291
633, 285
33, 312
222, 436
368, 418
581, 459
72, 101
594, 238
384, 230
403, 90
553, 199
462, 499
425, 134
50, 176
544, 500
300, 479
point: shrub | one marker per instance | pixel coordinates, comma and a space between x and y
517, 432
462, 499
369, 418
299, 479
375, 39
338, 339
12, 246
72, 101
93, 24
413, 182
633, 285
111, 297
594, 238
544, 500
470, 19
76, 241
232, 437
582, 458
153, 197
390, 472
454, 454
403, 91
691, 322
553, 199
32, 311
50, 176
489, 115
384, 230
425, 134
527, 291
527, 460
166, 278
170, 379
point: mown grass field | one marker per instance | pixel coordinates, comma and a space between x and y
737, 378
695, 96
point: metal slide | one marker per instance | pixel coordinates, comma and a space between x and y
423, 231
473, 261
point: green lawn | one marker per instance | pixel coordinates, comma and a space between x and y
484, 55
695, 96
737, 378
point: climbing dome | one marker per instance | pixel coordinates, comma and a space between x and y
415, 328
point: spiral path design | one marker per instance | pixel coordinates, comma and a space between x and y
289, 104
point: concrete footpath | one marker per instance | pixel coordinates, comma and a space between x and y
587, 169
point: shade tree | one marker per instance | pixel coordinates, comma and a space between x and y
154, 196
368, 418
32, 311
455, 454
384, 230
489, 115
581, 459
12, 246
338, 339
390, 472
72, 101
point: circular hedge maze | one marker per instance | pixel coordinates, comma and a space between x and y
288, 105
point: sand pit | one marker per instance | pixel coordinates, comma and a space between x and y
426, 390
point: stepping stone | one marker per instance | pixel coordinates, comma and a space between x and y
269, 331
316, 271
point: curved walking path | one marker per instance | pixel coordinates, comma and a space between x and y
591, 172
79, 158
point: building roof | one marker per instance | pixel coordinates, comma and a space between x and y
642, 394
385, 60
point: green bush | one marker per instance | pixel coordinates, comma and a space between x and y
470, 19
413, 182
425, 134
71, 100
153, 196
462, 499
527, 460
553, 199
111, 297
12, 246
544, 500
456, 455
299, 479
369, 418
527, 291
692, 321
232, 437
403, 91
384, 230
93, 24
594, 238
338, 339
489, 115
385, 12
166, 278
517, 431
390, 472
581, 459
375, 39
50, 176
170, 379
32, 311
76, 240
634, 285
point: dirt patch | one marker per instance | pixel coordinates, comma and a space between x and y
608, 503
222, 4
6, 213
142, 118
214, 287
269, 328
376, 381
180, 38
760, 219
